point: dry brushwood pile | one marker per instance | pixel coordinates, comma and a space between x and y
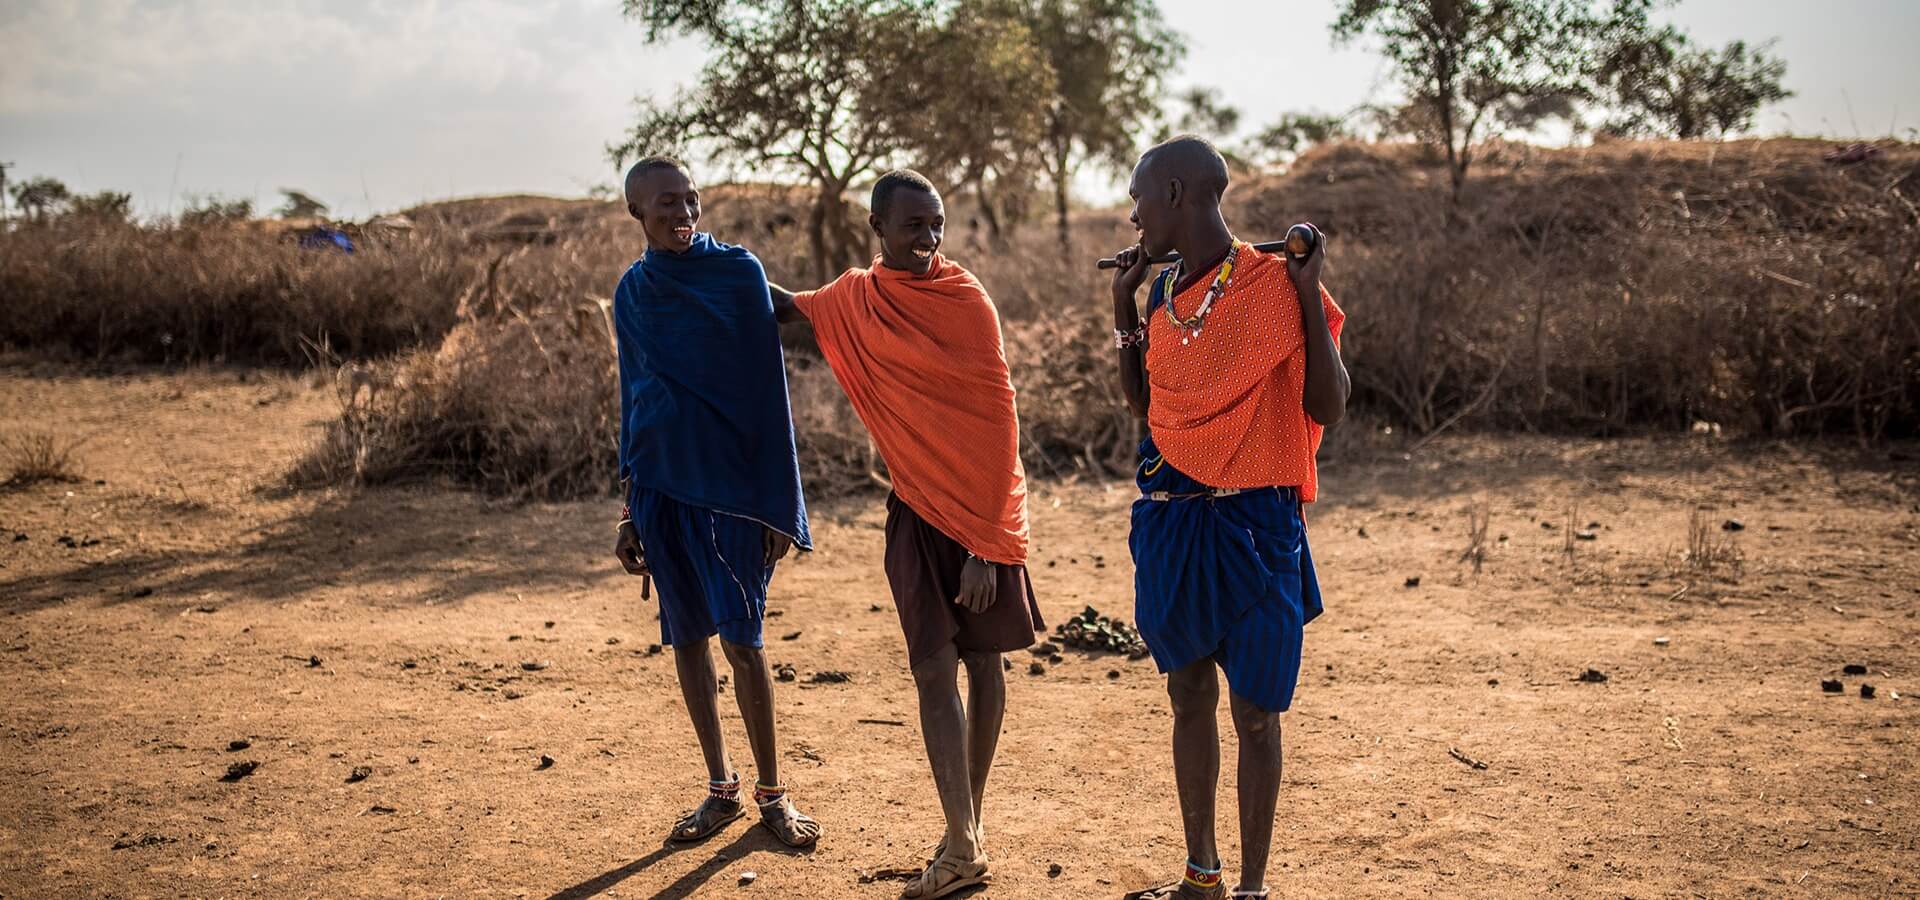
1755, 286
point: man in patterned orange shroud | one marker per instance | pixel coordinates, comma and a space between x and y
1237, 370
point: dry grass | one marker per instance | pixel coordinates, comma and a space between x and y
1479, 517
33, 457
1625, 286
1614, 289
1710, 550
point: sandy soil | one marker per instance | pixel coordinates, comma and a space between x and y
197, 594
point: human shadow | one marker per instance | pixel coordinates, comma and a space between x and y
458, 542
462, 543
753, 840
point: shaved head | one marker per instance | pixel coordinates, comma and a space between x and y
649, 164
892, 183
1193, 160
662, 197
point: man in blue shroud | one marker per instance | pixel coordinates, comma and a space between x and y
711, 479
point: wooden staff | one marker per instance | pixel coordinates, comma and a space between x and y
1301, 240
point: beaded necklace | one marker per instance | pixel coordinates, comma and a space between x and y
1192, 326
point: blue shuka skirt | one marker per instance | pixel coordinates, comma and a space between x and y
710, 568
1229, 578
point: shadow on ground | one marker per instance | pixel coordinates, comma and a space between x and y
753, 840
434, 544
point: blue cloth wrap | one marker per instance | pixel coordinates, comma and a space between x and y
1229, 578
703, 387
710, 567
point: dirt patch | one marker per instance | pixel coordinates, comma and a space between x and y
1442, 741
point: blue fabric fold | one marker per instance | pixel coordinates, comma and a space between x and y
1227, 577
703, 387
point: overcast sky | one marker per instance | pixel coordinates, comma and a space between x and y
375, 106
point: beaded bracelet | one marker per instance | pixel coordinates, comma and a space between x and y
1126, 340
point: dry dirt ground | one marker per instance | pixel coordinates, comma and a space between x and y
197, 596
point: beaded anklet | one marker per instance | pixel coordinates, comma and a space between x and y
764, 795
724, 790
1201, 877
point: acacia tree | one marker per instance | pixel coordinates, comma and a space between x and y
1478, 66
103, 207
799, 87
1204, 112
977, 125
1656, 81
299, 205
1294, 132
40, 196
1109, 59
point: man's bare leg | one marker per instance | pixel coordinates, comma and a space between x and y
986, 711
1259, 786
694, 665
1195, 692
753, 689
943, 726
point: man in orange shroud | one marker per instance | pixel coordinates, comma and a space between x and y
1237, 370
915, 342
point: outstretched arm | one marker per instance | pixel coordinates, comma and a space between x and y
1328, 385
784, 309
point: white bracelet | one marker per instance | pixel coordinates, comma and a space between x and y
1126, 340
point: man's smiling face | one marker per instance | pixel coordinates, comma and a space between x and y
667, 203
910, 230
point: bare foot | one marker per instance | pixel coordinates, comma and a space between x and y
705, 821
947, 875
1179, 890
793, 827
979, 840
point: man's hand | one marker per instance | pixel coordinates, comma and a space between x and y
978, 587
627, 549
1305, 271
1130, 273
776, 546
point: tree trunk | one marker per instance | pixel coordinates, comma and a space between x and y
988, 212
1060, 201
817, 234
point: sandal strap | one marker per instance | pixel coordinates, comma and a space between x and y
1242, 892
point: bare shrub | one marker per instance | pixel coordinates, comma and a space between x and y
1709, 550
1479, 517
1624, 286
32, 457
1601, 290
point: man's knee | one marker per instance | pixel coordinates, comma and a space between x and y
1253, 723
937, 671
982, 663
1194, 689
742, 656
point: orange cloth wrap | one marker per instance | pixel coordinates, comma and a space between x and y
921, 359
1228, 408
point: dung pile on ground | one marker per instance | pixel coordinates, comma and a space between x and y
1092, 631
